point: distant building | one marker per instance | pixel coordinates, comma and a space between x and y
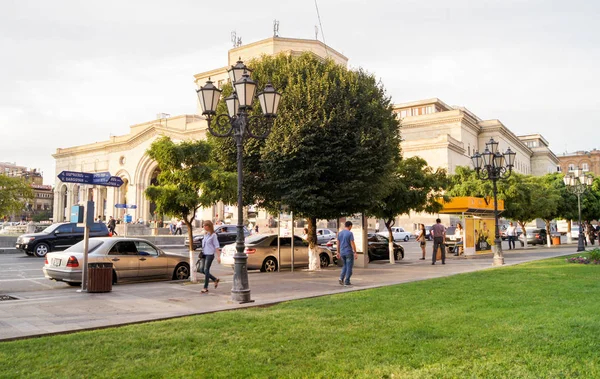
43, 194
585, 160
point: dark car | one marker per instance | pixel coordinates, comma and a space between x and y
535, 236
57, 237
378, 246
226, 234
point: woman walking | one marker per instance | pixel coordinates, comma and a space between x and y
210, 248
422, 239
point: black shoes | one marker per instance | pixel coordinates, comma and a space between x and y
341, 282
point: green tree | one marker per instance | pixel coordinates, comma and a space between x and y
14, 193
188, 179
332, 147
550, 204
414, 186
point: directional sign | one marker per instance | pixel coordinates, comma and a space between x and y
97, 178
126, 206
114, 181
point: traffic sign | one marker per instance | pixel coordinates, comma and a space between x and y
114, 181
126, 206
97, 178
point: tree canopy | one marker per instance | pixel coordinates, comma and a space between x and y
14, 193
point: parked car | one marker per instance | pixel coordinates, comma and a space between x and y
226, 234
398, 233
57, 237
261, 250
535, 236
427, 233
378, 247
324, 236
132, 259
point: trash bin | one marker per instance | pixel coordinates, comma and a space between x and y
100, 277
556, 240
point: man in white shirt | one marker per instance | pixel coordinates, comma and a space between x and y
511, 233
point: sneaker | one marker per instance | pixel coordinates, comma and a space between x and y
347, 284
421, 259
341, 282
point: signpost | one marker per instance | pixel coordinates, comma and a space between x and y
95, 178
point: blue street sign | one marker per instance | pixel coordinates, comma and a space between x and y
76, 177
114, 181
124, 206
101, 177
97, 178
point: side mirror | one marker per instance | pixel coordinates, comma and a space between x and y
56, 232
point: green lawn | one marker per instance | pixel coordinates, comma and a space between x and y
537, 320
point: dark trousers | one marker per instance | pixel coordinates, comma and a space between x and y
511, 242
208, 260
439, 242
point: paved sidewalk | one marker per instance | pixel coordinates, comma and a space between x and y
58, 311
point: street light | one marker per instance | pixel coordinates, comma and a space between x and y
495, 166
577, 182
239, 124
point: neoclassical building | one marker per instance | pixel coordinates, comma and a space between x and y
585, 160
443, 135
125, 156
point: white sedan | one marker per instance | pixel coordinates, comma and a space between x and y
132, 259
398, 233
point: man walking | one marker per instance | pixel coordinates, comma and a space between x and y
439, 239
346, 252
511, 233
112, 223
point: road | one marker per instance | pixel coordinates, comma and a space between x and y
23, 273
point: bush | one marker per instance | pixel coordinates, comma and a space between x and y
592, 257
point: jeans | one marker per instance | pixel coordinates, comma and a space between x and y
208, 260
439, 242
347, 269
511, 242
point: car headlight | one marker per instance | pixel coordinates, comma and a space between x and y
27, 239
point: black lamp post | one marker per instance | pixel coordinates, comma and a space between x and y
577, 182
495, 166
239, 125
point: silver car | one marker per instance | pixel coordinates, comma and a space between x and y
132, 259
261, 250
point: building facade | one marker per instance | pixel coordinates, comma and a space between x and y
43, 195
588, 161
125, 156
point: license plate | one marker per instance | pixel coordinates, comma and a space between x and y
56, 261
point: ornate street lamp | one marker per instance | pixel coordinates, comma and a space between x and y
239, 124
493, 165
577, 182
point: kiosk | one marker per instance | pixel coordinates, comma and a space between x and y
477, 216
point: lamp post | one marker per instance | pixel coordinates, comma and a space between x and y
577, 182
239, 124
495, 166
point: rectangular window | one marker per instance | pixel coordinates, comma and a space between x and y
571, 167
584, 167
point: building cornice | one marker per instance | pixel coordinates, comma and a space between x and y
491, 127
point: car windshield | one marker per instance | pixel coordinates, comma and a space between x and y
93, 244
51, 228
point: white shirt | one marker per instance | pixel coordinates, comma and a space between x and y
511, 231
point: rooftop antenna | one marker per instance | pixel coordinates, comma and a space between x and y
316, 32
321, 26
237, 41
275, 28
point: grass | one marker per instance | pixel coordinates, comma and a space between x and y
534, 320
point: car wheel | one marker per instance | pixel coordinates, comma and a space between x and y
41, 249
74, 284
269, 265
399, 254
182, 272
114, 281
324, 259
406, 238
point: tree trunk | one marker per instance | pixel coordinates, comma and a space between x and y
388, 224
314, 263
548, 241
524, 232
190, 233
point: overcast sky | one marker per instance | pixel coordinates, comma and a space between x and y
75, 72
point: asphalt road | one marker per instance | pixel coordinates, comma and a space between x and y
23, 273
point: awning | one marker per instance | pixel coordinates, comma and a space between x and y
473, 206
